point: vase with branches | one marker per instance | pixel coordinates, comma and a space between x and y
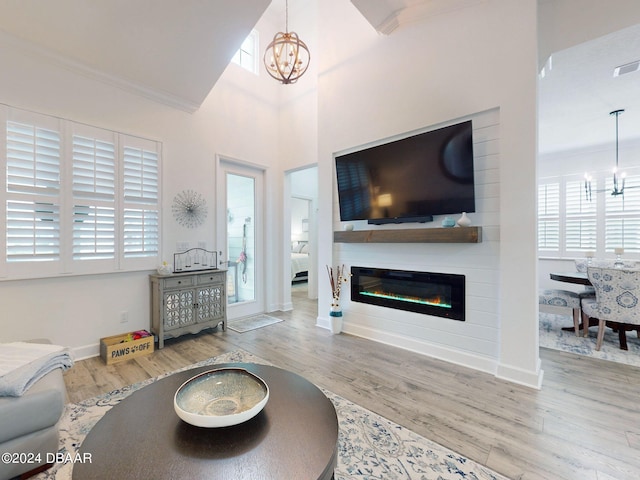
336, 278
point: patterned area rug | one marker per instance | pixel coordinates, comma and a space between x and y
552, 336
251, 323
370, 447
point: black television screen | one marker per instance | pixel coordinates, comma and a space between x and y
409, 179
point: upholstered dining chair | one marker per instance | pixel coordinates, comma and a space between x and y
617, 301
562, 298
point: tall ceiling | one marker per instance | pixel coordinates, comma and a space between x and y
579, 90
173, 51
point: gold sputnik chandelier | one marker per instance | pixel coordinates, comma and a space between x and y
286, 57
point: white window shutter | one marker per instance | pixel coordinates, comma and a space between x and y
78, 199
141, 233
94, 187
141, 198
581, 222
549, 217
622, 224
94, 172
33, 189
33, 159
33, 231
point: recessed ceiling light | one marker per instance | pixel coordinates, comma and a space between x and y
626, 68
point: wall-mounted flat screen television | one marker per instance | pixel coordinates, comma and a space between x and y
409, 180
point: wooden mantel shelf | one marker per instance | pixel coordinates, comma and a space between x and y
411, 235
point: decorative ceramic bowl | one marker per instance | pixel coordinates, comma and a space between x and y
221, 398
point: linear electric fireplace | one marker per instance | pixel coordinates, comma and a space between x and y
439, 294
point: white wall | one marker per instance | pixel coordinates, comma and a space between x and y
77, 311
447, 67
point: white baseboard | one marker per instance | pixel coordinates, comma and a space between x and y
464, 359
520, 376
447, 354
86, 351
280, 307
323, 322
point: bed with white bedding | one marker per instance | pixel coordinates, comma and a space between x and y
299, 261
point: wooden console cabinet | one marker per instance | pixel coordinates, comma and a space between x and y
187, 303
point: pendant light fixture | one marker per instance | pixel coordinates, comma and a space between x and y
286, 57
618, 178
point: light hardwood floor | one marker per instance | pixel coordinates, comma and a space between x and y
584, 424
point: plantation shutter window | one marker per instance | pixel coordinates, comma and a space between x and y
78, 199
33, 231
549, 217
622, 224
599, 224
94, 192
580, 223
32, 192
141, 199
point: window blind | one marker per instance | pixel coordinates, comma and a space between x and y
33, 159
32, 174
94, 175
622, 225
549, 217
581, 225
141, 213
94, 188
77, 198
601, 225
33, 231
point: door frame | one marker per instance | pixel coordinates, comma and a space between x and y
312, 283
226, 165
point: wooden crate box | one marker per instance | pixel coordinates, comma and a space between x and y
117, 349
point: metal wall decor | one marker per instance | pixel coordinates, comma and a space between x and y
195, 259
189, 209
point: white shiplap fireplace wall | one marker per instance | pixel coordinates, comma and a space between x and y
474, 342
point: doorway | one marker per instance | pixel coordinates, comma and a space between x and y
239, 232
301, 232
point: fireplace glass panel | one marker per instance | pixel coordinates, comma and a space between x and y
407, 291
423, 292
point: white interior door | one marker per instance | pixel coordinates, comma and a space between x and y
239, 231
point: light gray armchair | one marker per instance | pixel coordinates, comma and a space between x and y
617, 301
29, 425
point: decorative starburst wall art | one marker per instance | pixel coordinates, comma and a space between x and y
189, 209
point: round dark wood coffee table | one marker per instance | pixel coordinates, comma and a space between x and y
294, 437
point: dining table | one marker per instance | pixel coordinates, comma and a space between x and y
579, 278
